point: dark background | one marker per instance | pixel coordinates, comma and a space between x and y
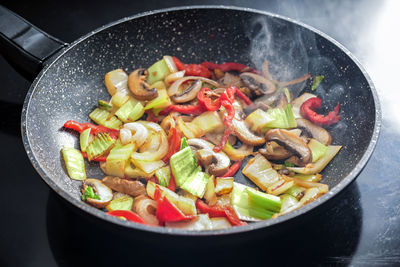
360, 227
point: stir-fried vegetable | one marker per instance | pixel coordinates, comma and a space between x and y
307, 111
74, 162
172, 138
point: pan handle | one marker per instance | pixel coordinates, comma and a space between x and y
25, 46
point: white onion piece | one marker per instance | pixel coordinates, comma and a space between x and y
170, 63
152, 143
146, 208
152, 126
173, 89
220, 223
199, 223
140, 132
154, 155
168, 123
174, 77
125, 135
117, 81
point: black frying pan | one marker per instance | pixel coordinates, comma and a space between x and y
71, 82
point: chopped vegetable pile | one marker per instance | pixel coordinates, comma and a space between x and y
173, 139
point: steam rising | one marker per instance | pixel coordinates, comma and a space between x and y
282, 46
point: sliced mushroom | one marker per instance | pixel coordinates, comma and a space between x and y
205, 156
283, 101
274, 151
258, 84
101, 190
245, 135
197, 144
139, 87
230, 80
189, 93
291, 142
133, 188
278, 99
218, 163
235, 154
241, 130
314, 131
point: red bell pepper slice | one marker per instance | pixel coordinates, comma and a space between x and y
127, 214
151, 116
233, 169
172, 183
224, 139
184, 109
192, 69
154, 179
218, 211
206, 101
80, 127
99, 159
174, 143
229, 94
232, 216
244, 97
167, 211
307, 111
227, 99
213, 211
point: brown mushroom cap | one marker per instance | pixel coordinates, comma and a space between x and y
139, 87
291, 142
241, 130
216, 163
101, 190
189, 93
245, 135
274, 151
133, 188
257, 84
230, 80
314, 131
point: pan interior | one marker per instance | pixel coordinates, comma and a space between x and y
72, 85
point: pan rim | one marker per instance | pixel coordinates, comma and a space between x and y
179, 232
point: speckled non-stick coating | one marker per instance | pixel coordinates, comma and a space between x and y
69, 87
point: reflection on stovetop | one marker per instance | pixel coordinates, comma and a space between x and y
333, 230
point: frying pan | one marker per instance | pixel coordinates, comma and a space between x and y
71, 81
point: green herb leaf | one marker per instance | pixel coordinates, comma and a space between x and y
212, 87
184, 143
288, 164
89, 193
317, 80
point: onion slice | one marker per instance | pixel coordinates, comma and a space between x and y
174, 77
153, 154
174, 88
141, 132
146, 208
170, 64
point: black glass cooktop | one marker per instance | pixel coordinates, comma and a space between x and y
360, 227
